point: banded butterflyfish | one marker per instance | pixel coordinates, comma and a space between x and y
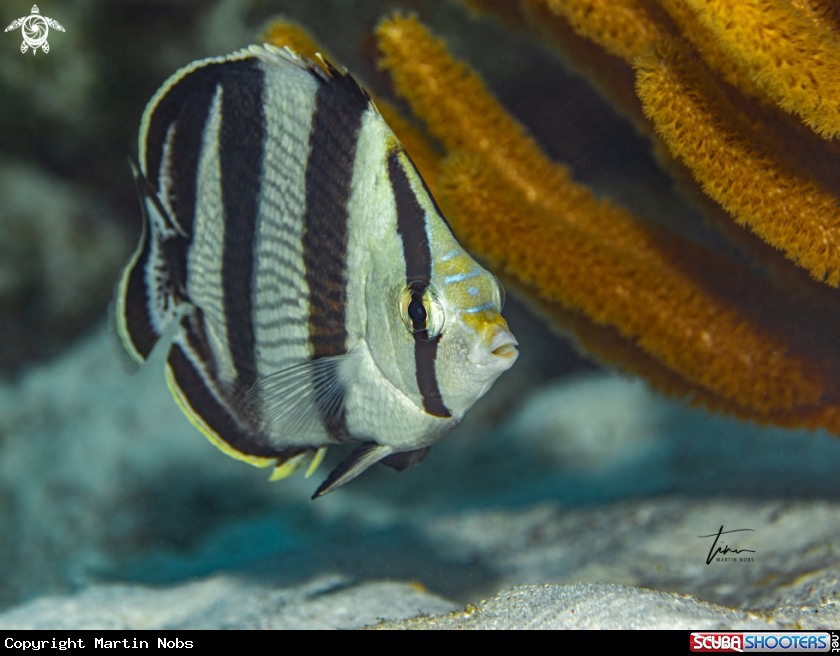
315, 293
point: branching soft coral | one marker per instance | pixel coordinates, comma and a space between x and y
787, 51
527, 218
703, 40
695, 119
726, 120
624, 28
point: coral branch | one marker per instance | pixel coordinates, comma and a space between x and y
622, 27
823, 13
646, 299
704, 42
788, 54
282, 33
608, 74
778, 139
424, 74
459, 111
787, 210
528, 219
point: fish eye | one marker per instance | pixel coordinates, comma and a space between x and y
500, 294
416, 312
421, 310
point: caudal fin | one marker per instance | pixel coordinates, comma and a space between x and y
152, 286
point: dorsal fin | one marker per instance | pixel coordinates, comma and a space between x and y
150, 290
165, 224
338, 79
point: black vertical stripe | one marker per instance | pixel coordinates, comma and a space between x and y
197, 340
185, 106
334, 134
140, 296
425, 352
411, 226
241, 145
195, 388
185, 109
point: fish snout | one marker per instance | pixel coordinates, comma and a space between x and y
497, 348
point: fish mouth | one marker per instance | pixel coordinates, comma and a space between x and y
505, 351
497, 348
503, 344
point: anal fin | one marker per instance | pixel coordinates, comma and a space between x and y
286, 468
297, 461
191, 373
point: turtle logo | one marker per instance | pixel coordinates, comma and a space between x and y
35, 29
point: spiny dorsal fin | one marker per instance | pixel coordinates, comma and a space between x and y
168, 225
338, 79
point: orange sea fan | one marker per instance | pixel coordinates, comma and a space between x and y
527, 218
423, 73
786, 208
622, 27
824, 13
473, 194
282, 33
647, 300
704, 42
471, 120
609, 74
780, 138
788, 52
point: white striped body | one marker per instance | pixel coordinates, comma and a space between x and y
293, 239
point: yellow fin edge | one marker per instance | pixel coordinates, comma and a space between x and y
196, 421
297, 462
122, 290
316, 460
289, 467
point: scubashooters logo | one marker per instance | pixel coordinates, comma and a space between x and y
786, 641
35, 29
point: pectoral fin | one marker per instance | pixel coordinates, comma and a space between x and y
298, 400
